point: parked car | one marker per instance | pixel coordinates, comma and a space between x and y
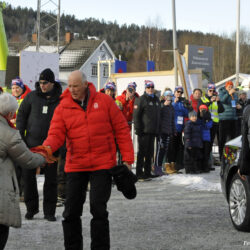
236, 191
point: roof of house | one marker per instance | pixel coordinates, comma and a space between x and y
72, 55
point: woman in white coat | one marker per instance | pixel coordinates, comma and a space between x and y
12, 149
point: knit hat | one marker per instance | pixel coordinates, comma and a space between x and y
18, 82
149, 83
178, 88
110, 85
203, 106
47, 75
132, 85
168, 92
211, 86
229, 83
192, 113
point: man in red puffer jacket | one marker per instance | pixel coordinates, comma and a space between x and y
90, 122
126, 101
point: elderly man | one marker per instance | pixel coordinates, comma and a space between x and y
33, 121
90, 122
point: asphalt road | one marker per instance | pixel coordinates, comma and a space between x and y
168, 213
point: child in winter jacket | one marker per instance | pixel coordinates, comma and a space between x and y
193, 144
204, 118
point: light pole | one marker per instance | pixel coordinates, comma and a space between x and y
174, 44
238, 44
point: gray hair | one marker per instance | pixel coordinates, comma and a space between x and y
8, 104
84, 77
192, 113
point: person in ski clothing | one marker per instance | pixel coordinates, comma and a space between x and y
90, 122
147, 124
109, 89
241, 104
195, 98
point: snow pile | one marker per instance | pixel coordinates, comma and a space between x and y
194, 182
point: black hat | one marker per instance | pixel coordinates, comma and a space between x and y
125, 180
47, 75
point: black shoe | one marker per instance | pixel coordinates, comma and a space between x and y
211, 169
50, 217
30, 215
151, 176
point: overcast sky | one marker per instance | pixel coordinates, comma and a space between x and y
208, 16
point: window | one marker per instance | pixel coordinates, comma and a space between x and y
94, 70
105, 70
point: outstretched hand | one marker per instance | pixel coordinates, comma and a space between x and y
128, 165
243, 177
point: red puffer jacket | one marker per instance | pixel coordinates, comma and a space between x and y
127, 105
90, 136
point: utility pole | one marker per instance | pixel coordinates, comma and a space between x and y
174, 44
149, 44
46, 22
237, 63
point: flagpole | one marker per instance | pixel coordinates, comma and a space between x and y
174, 44
237, 63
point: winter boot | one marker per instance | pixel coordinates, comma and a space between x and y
172, 167
168, 169
158, 170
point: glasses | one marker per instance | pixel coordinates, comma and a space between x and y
43, 82
211, 90
180, 92
150, 87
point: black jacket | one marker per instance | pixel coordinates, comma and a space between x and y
147, 115
35, 114
243, 104
245, 150
193, 135
167, 124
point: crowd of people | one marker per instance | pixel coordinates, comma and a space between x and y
77, 136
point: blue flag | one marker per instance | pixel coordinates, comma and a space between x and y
120, 66
150, 66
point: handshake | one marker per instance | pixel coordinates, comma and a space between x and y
46, 152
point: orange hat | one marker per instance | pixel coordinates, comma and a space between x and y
229, 83
203, 106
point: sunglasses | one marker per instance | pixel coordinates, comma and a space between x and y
211, 90
43, 82
180, 92
150, 87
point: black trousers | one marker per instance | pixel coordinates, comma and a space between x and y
175, 146
214, 131
162, 148
19, 176
192, 159
61, 176
227, 131
31, 198
145, 154
4, 234
206, 155
100, 191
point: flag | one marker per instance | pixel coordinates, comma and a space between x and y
120, 66
150, 66
3, 42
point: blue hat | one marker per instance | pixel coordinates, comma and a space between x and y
110, 85
149, 83
211, 86
178, 88
18, 82
168, 92
132, 85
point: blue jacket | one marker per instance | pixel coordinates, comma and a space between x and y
229, 111
181, 112
206, 125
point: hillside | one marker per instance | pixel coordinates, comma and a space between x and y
131, 41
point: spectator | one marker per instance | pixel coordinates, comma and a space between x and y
126, 102
19, 91
241, 104
146, 121
193, 145
227, 119
204, 118
1, 90
167, 130
195, 98
109, 89
90, 121
12, 149
181, 108
33, 121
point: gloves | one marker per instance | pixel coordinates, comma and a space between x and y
46, 152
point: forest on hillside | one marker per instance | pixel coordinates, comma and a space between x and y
132, 41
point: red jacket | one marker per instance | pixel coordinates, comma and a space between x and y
127, 105
90, 136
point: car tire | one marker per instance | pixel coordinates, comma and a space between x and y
239, 203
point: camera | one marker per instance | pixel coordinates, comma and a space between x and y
130, 90
237, 89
